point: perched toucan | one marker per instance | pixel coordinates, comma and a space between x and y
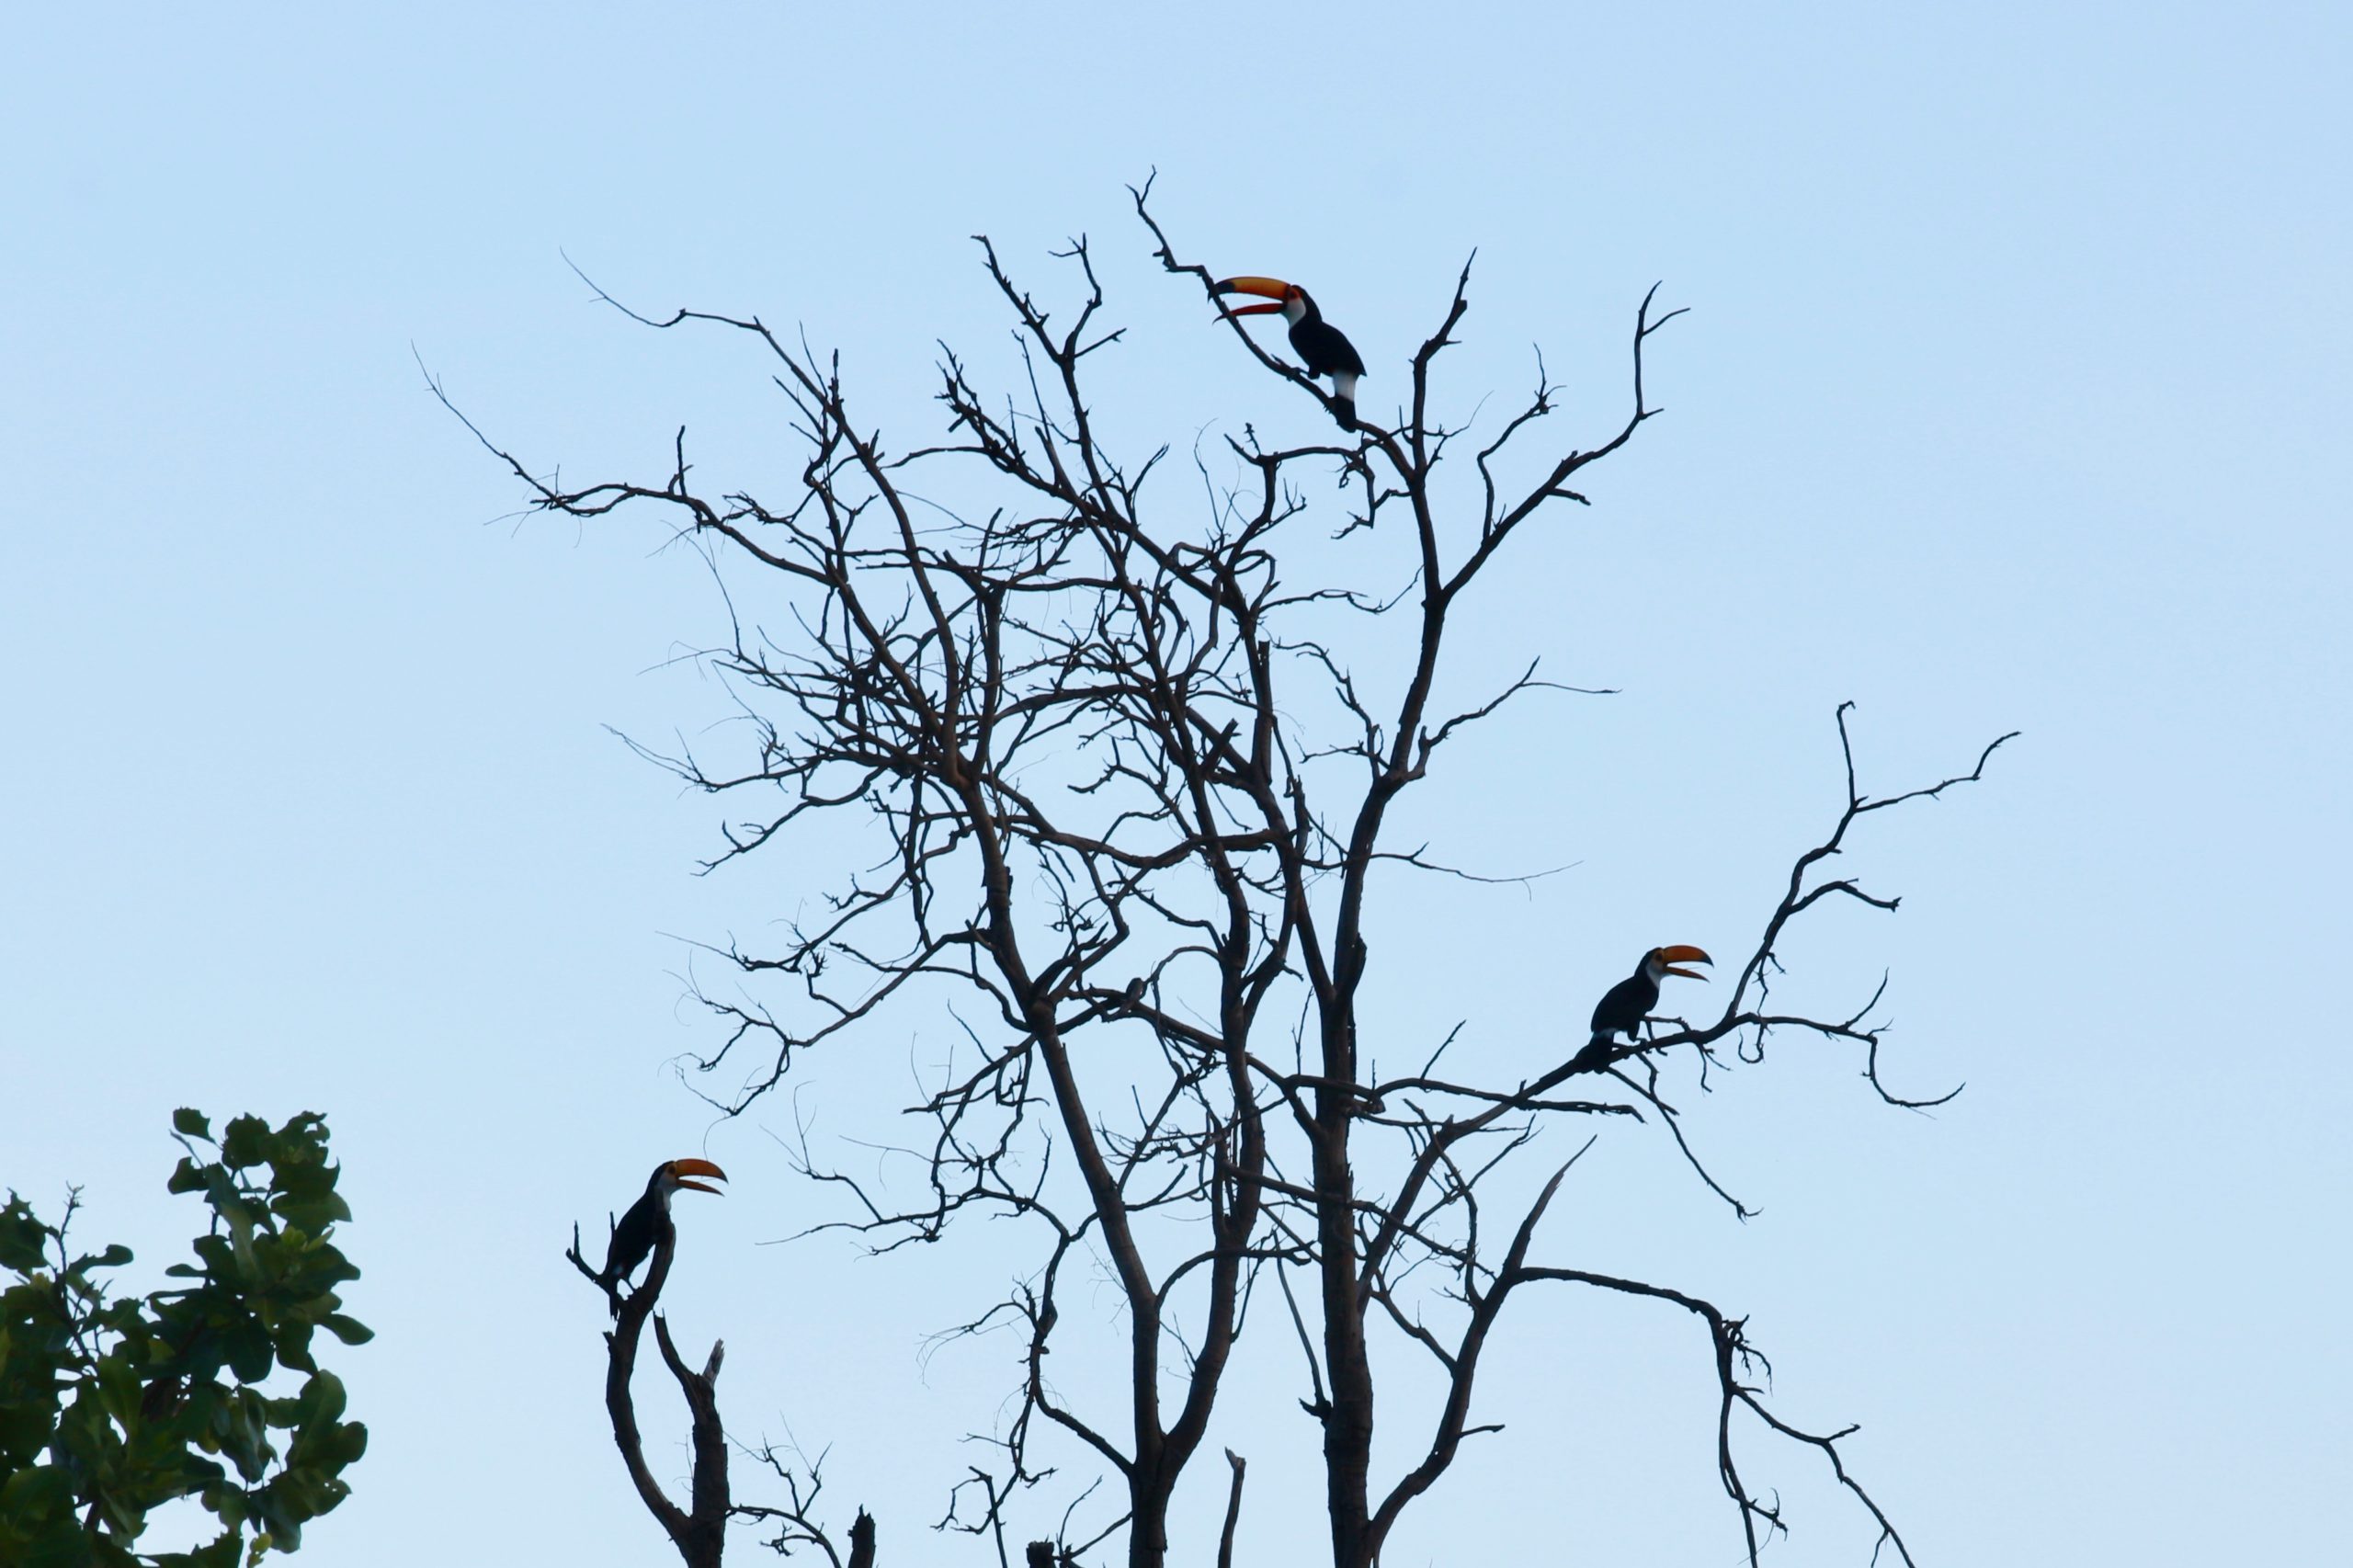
1625, 1006
635, 1235
1321, 347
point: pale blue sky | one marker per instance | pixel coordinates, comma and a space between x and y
2013, 396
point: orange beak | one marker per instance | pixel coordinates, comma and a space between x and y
682, 1169
1680, 955
1273, 288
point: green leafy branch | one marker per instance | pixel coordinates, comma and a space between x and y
111, 1406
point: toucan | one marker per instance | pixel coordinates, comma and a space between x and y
635, 1235
1623, 1007
1321, 347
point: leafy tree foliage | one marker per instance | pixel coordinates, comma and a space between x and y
113, 1405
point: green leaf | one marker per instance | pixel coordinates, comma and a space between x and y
321, 1400
246, 1142
311, 1215
219, 1257
344, 1445
191, 1124
23, 1238
294, 1349
60, 1543
250, 1351
349, 1330
246, 1439
43, 1489
27, 1424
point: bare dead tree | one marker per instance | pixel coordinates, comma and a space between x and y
699, 1530
1124, 785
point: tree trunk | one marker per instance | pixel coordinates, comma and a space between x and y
1347, 1422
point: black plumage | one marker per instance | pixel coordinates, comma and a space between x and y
1625, 1004
1323, 349
641, 1226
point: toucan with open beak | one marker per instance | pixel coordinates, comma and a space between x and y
1321, 347
1625, 1006
634, 1237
